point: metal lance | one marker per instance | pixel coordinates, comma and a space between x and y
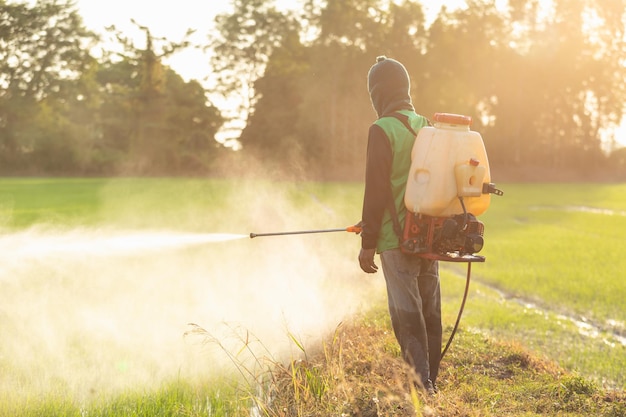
350, 229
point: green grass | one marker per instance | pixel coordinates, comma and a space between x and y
178, 398
546, 333
548, 245
553, 278
540, 249
547, 262
137, 202
188, 204
24, 202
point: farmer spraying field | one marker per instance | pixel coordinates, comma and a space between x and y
413, 287
413, 290
435, 183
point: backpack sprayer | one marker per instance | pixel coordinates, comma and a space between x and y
448, 186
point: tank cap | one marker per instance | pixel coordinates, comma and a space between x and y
453, 119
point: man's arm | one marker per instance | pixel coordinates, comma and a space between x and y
377, 169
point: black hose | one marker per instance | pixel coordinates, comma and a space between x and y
458, 318
465, 214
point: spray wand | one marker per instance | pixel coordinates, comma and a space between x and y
350, 229
358, 229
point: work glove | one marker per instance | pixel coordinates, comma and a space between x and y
366, 260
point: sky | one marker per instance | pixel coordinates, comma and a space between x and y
171, 20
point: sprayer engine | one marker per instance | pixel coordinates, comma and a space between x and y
452, 238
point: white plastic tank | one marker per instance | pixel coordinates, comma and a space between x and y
448, 161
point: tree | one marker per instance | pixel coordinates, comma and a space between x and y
191, 125
564, 84
313, 109
65, 131
41, 47
270, 129
541, 88
461, 63
167, 123
241, 49
64, 112
336, 109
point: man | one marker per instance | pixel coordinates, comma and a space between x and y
412, 283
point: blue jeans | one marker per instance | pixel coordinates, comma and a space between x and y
414, 298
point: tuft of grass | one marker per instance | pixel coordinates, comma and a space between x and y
362, 376
350, 374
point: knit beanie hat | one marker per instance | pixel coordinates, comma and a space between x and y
388, 84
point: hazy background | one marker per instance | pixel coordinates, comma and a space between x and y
286, 86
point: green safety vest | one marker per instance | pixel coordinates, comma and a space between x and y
401, 140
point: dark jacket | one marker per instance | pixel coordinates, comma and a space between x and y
389, 146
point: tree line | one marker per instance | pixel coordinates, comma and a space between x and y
544, 87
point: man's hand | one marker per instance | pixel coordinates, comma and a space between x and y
366, 260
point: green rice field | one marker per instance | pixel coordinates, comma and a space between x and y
101, 278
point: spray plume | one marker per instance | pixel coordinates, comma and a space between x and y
90, 312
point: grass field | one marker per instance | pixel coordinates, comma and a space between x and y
552, 282
555, 275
